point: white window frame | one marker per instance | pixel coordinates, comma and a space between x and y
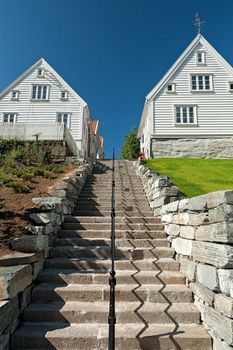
173, 86
188, 124
37, 88
40, 75
16, 97
229, 86
197, 75
9, 114
65, 98
68, 118
203, 61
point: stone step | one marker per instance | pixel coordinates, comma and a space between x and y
81, 212
48, 292
127, 234
63, 336
85, 312
105, 253
119, 226
107, 201
90, 265
101, 277
126, 243
107, 219
118, 207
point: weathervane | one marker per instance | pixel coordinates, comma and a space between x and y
198, 23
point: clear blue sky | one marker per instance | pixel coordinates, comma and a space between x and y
112, 52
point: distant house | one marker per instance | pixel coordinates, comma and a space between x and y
95, 141
189, 113
40, 104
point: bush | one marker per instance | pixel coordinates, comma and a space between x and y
131, 146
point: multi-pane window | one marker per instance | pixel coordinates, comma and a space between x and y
202, 82
40, 92
185, 115
63, 118
9, 117
200, 57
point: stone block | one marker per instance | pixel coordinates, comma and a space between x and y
220, 324
167, 218
224, 304
181, 219
219, 344
37, 268
172, 191
170, 208
25, 298
172, 230
187, 232
202, 292
30, 244
220, 255
46, 218
182, 246
222, 213
159, 202
5, 341
188, 268
183, 204
35, 230
207, 275
14, 279
198, 219
218, 232
198, 203
225, 279
17, 258
214, 199
9, 311
162, 181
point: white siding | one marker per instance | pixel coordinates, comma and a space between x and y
214, 109
44, 111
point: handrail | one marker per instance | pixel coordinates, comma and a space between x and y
112, 279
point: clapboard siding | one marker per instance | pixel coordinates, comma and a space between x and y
214, 109
45, 111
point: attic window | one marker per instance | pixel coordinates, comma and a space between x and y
15, 95
171, 87
231, 86
64, 95
40, 72
200, 57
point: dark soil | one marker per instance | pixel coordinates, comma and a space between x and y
15, 208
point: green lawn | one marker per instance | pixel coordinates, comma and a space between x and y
195, 176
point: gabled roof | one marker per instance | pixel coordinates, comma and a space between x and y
199, 39
55, 74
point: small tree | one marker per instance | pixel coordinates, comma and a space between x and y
131, 146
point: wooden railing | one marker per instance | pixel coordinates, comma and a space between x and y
39, 131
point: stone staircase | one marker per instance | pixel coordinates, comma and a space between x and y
69, 308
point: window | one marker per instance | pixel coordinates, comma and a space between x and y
40, 72
185, 115
40, 92
202, 83
171, 87
64, 95
63, 118
9, 117
200, 57
15, 95
231, 86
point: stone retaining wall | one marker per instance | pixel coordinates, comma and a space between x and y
192, 148
201, 232
19, 270
159, 189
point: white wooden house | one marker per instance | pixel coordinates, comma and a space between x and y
39, 103
189, 113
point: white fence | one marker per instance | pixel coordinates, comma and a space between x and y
40, 131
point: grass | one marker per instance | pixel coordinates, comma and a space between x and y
195, 176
